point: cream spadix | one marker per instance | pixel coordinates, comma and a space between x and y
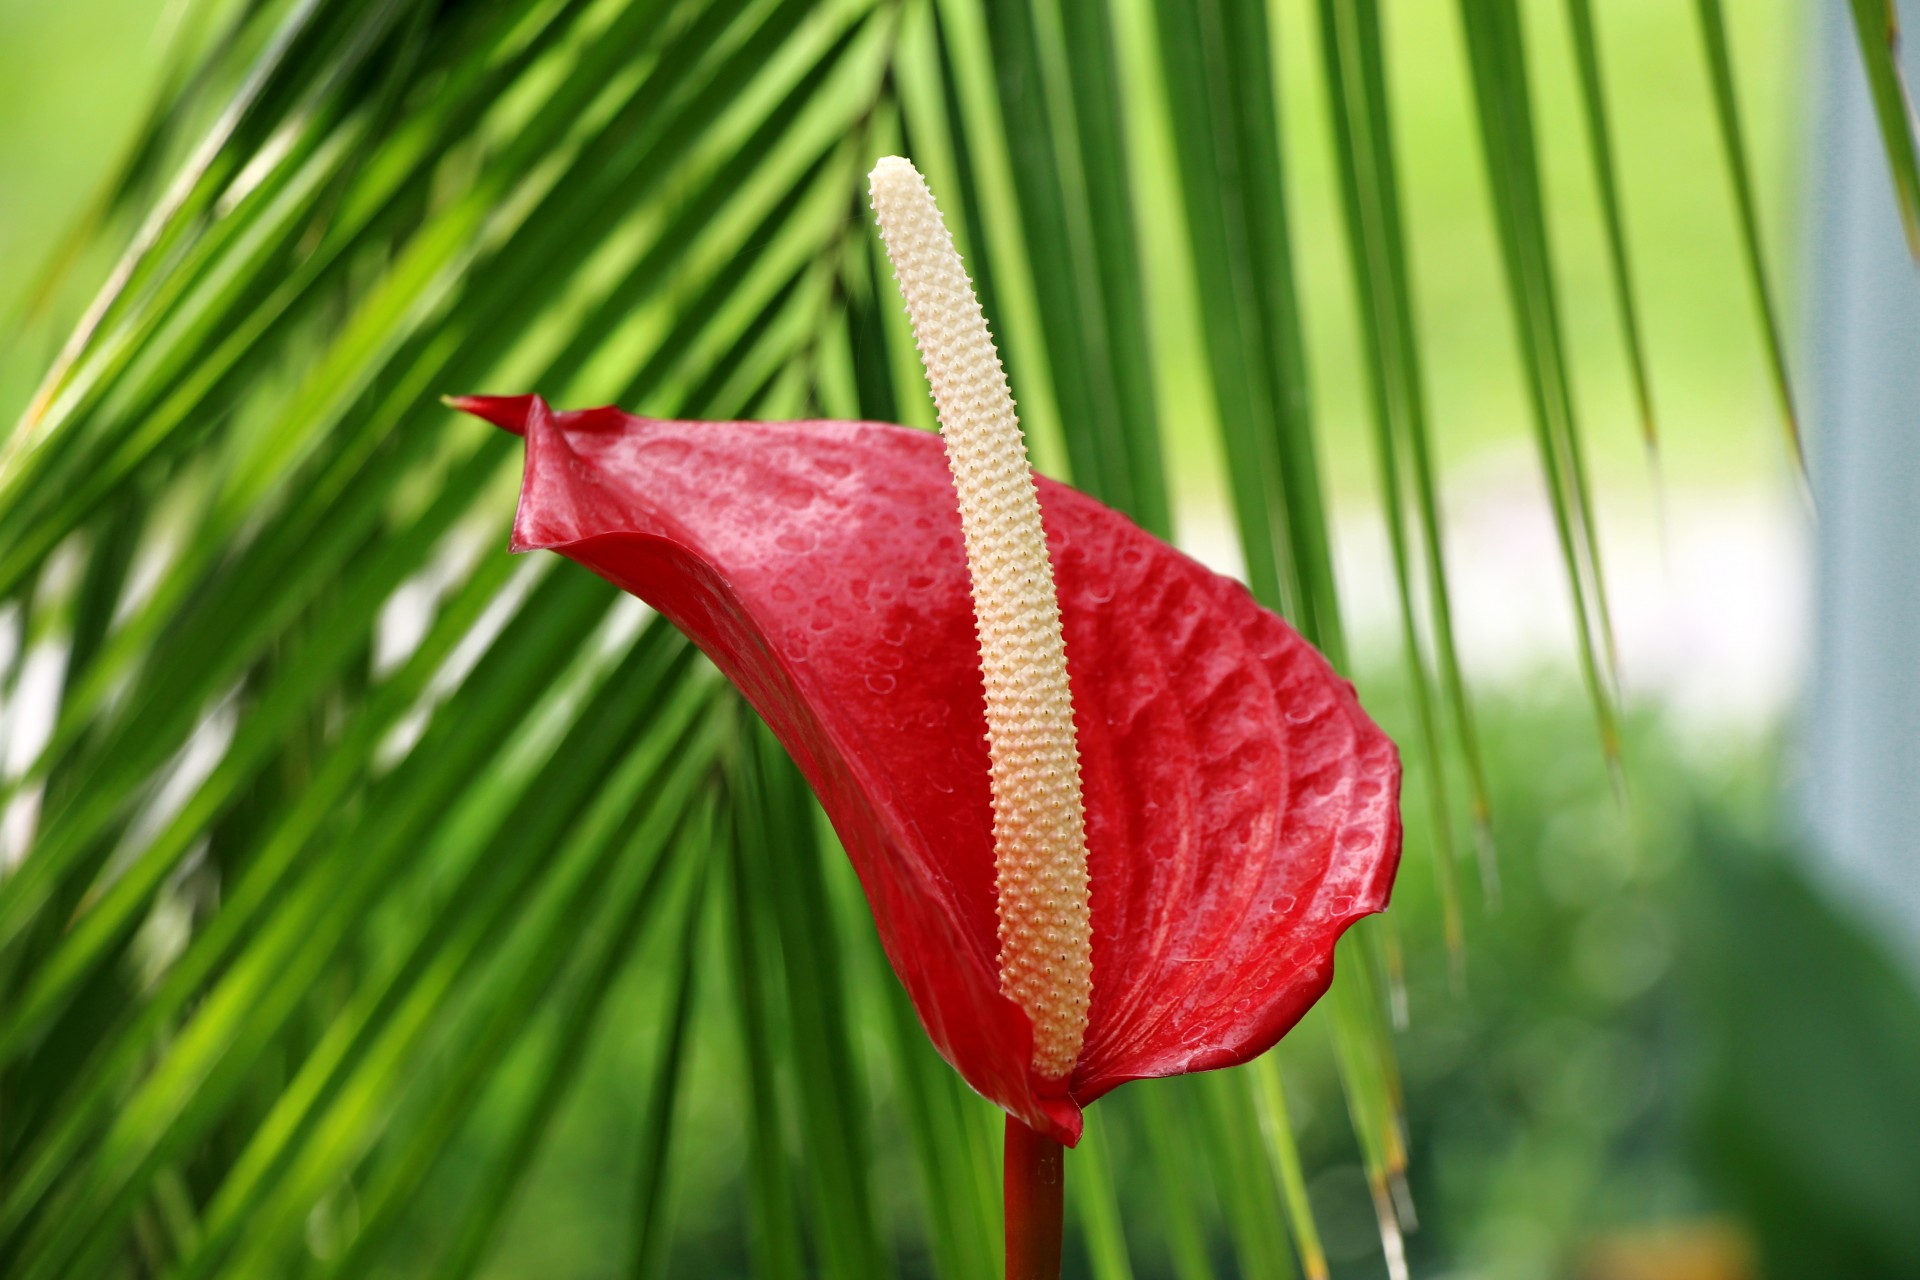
1039, 827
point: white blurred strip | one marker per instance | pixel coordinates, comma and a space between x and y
1710, 616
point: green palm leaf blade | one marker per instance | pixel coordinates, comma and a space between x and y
1877, 25
1249, 1197
1097, 76
312, 1144
1166, 1119
776, 1243
1095, 1204
267, 70
245, 1011
198, 62
92, 939
953, 117
1065, 143
279, 868
1284, 1155
783, 862
1593, 107
652, 1185
1229, 153
215, 543
261, 729
1238, 227
72, 415
1363, 1053
466, 1253
1355, 77
1504, 115
607, 177
83, 615
953, 1150
1726, 106
610, 893
194, 647
148, 728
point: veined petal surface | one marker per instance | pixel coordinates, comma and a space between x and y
1242, 810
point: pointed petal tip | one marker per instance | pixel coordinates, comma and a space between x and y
509, 413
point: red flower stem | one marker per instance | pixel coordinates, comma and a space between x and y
1035, 1171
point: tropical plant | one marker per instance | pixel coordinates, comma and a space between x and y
347, 830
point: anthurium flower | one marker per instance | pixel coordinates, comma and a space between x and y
1240, 806
1182, 806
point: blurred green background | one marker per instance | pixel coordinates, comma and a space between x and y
1662, 1056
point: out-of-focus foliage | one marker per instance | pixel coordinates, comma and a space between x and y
379, 905
1671, 1045
1813, 1045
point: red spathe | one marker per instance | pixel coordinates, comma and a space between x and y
1242, 810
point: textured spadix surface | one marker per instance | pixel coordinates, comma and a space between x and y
1241, 809
1039, 822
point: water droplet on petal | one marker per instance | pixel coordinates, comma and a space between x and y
663, 452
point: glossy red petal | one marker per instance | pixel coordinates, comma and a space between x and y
1242, 810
